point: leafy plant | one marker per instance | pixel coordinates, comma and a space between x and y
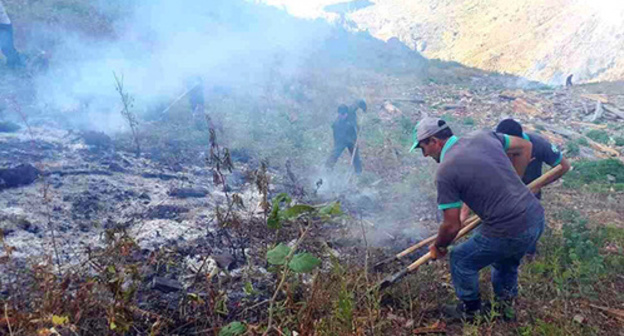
233, 329
600, 136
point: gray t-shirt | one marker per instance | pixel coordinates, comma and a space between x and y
476, 170
543, 152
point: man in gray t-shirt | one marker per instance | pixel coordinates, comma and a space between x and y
475, 170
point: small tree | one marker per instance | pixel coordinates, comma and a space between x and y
131, 119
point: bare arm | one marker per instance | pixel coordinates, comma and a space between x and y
448, 231
519, 151
565, 164
465, 212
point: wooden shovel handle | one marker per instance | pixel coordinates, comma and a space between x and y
464, 231
431, 239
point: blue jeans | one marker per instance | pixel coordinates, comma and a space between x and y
503, 254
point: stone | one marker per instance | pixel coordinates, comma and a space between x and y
21, 175
97, 140
166, 211
224, 260
166, 285
188, 192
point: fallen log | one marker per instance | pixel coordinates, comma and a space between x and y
598, 112
614, 110
596, 97
573, 135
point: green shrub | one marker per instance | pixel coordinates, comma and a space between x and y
572, 149
468, 121
619, 141
448, 117
600, 136
594, 173
582, 142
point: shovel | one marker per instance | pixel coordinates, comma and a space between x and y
413, 248
394, 278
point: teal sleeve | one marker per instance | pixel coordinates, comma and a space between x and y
507, 142
450, 205
558, 161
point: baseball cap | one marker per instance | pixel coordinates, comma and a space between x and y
426, 128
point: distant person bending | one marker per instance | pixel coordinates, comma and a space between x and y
6, 39
542, 152
345, 130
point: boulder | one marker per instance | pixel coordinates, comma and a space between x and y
166, 285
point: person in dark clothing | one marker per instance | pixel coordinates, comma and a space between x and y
6, 39
569, 80
542, 152
345, 130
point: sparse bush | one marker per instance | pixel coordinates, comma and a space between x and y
582, 141
448, 117
130, 117
572, 148
9, 127
469, 121
599, 175
600, 136
619, 141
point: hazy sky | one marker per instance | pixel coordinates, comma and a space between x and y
303, 8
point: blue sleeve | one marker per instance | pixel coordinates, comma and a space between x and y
545, 151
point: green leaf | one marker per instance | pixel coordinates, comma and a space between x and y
59, 320
249, 290
297, 210
332, 209
233, 329
283, 197
303, 262
277, 256
274, 220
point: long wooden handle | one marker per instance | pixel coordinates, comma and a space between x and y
464, 231
470, 226
431, 239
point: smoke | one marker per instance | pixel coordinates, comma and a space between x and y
160, 45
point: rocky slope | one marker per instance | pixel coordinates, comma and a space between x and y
540, 40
